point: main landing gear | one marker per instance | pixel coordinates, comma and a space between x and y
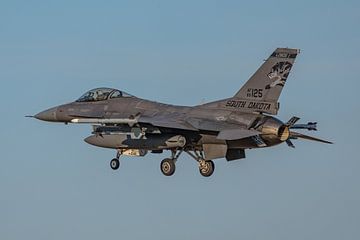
167, 166
206, 167
115, 163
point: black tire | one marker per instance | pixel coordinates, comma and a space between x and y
167, 167
208, 169
115, 164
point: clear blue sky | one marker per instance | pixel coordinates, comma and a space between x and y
55, 186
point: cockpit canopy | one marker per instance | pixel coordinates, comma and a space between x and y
101, 94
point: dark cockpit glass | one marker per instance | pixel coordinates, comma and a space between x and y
100, 94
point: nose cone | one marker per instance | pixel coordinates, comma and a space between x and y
47, 115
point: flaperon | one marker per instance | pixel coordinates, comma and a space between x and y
220, 129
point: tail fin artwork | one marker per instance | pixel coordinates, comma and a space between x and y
262, 91
268, 81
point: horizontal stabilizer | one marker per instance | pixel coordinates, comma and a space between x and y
236, 134
295, 135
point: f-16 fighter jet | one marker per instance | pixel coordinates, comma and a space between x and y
221, 129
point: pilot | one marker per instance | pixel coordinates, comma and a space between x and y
100, 95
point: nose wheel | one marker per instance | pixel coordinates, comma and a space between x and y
115, 162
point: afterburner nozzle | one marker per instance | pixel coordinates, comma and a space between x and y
284, 133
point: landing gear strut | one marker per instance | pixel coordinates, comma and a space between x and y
115, 163
167, 166
206, 167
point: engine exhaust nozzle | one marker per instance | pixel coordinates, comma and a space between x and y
284, 133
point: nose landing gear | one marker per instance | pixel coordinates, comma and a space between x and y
115, 163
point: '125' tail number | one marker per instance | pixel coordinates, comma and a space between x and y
254, 92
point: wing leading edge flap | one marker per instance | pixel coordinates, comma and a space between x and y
235, 134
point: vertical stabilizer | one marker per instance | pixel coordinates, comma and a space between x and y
262, 91
268, 81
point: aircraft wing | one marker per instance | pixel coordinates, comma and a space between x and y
226, 131
235, 134
178, 121
168, 122
212, 125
